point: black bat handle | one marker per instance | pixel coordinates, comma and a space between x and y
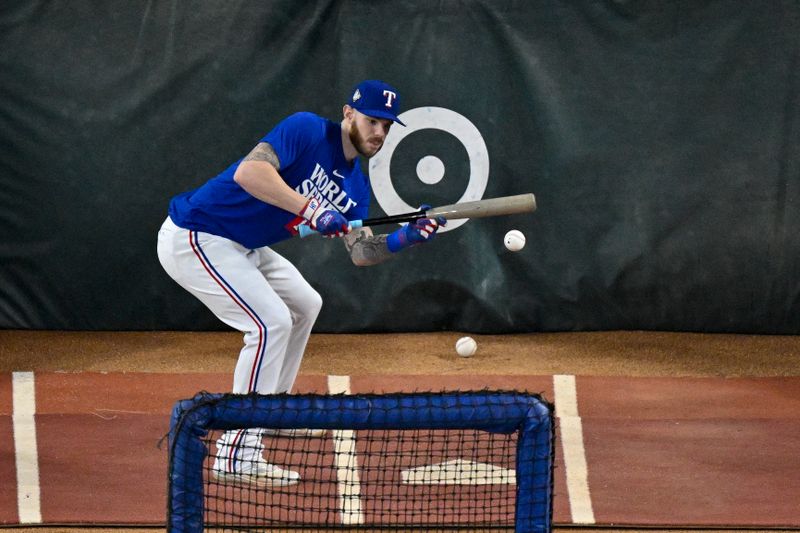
392, 219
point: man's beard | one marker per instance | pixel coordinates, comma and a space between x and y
360, 143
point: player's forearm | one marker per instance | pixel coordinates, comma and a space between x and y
261, 180
367, 249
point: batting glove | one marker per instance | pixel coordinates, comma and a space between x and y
416, 232
328, 222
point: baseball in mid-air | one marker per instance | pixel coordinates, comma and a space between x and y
514, 240
466, 346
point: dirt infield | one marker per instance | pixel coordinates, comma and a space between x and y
617, 353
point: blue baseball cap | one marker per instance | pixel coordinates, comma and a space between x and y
376, 98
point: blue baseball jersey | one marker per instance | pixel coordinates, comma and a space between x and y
312, 162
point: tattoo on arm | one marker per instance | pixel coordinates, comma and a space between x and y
365, 248
264, 152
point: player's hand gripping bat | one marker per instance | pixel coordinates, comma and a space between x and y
490, 207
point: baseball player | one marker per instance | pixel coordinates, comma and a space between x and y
216, 241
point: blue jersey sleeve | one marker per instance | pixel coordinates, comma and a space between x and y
362, 196
294, 135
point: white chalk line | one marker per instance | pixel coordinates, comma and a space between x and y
346, 461
25, 448
566, 403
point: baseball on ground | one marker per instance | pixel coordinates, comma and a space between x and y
514, 240
466, 346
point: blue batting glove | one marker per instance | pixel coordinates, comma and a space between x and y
440, 219
332, 223
416, 232
328, 222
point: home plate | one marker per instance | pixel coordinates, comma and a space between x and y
459, 472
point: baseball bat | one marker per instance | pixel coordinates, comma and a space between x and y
490, 207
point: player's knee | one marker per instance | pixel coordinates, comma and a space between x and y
281, 320
308, 305
312, 304
305, 304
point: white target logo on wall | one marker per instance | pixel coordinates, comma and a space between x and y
430, 169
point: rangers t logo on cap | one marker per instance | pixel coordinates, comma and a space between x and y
390, 97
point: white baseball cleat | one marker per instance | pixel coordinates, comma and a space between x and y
259, 473
295, 432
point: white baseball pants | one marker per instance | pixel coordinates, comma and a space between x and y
257, 292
